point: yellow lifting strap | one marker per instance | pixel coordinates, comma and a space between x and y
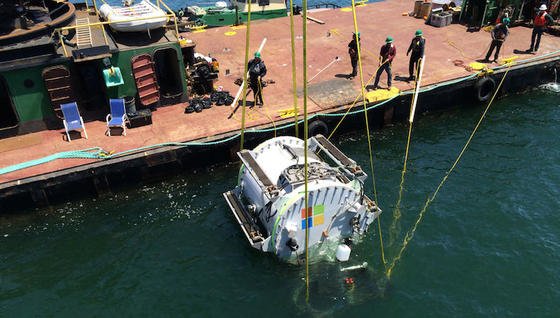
245, 73
410, 234
397, 210
364, 102
305, 137
294, 83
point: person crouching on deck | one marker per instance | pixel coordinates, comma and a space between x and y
417, 48
387, 54
353, 52
257, 70
499, 35
539, 26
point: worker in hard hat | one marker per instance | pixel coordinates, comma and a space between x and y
257, 70
539, 26
417, 49
353, 52
499, 34
387, 54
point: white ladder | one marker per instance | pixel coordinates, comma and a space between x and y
83, 33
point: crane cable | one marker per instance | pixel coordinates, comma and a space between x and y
305, 136
397, 210
364, 102
410, 234
294, 83
246, 68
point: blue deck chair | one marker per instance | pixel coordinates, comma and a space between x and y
117, 117
72, 119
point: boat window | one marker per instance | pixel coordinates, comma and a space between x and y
263, 3
28, 83
168, 74
8, 116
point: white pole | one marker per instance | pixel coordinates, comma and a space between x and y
336, 59
416, 91
243, 83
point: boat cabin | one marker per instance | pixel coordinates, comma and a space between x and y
236, 12
55, 52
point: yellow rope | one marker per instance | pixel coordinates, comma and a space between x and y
409, 235
353, 104
265, 112
305, 136
294, 83
397, 210
244, 103
364, 102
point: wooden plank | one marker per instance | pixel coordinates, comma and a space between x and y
315, 20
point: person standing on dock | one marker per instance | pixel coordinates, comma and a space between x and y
387, 54
257, 70
539, 26
353, 52
417, 48
499, 34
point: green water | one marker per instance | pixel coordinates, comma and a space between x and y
489, 245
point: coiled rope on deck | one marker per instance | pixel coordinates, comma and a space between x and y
88, 153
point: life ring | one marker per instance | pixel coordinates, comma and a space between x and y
318, 127
484, 88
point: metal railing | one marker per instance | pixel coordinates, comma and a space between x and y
102, 24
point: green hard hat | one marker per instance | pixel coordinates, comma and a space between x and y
357, 33
389, 39
258, 54
418, 32
506, 21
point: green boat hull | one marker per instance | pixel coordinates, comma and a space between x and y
228, 17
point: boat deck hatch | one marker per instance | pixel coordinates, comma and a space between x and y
8, 116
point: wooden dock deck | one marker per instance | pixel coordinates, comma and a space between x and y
330, 91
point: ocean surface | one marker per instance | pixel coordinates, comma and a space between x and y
489, 245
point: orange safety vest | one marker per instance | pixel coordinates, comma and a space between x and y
540, 20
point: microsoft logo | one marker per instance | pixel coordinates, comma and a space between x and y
315, 215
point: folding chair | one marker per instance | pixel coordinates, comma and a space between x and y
72, 119
117, 117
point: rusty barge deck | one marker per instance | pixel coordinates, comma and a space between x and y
448, 49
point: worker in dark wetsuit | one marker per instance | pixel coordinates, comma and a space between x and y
353, 52
387, 54
539, 26
417, 49
257, 70
499, 34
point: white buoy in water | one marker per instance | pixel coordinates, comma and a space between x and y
343, 253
